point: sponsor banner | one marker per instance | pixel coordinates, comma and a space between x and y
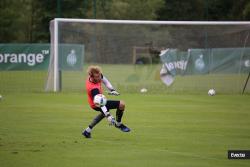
203, 61
24, 56
71, 57
198, 61
226, 60
174, 61
37, 56
230, 60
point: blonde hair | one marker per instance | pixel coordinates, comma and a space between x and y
94, 70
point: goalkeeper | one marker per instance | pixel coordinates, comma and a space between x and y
94, 87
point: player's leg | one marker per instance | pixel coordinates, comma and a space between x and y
120, 107
96, 120
119, 112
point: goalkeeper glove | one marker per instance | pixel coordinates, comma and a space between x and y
113, 92
111, 120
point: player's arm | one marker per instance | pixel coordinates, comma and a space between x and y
109, 86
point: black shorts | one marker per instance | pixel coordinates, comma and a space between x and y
111, 104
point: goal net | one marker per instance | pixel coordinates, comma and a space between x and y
159, 56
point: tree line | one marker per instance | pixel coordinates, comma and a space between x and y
27, 21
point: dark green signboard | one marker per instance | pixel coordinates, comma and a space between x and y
204, 61
37, 56
24, 56
71, 56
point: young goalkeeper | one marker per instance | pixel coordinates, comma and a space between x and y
94, 87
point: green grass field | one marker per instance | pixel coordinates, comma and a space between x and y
129, 79
39, 129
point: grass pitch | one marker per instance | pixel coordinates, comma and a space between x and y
38, 129
129, 79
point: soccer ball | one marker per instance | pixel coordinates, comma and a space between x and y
211, 92
100, 100
143, 90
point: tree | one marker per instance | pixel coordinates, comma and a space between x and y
182, 10
128, 10
246, 12
8, 20
212, 10
28, 20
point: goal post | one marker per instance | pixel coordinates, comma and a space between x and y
53, 79
116, 45
64, 57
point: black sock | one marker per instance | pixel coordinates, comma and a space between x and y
96, 120
119, 114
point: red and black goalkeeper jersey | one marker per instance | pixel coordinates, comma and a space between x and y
90, 86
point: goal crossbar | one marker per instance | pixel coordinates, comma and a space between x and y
153, 22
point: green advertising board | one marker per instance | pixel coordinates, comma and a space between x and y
71, 57
37, 56
174, 61
205, 61
24, 56
199, 61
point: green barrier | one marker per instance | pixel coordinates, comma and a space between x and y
71, 57
29, 57
206, 61
24, 56
199, 61
174, 61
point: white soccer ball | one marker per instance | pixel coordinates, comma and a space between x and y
211, 92
143, 90
1, 97
100, 100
